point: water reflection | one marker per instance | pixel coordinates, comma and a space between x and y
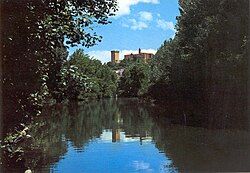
126, 136
201, 150
102, 154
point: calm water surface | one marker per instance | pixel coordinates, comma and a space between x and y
110, 136
126, 136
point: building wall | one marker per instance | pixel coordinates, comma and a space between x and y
115, 56
144, 56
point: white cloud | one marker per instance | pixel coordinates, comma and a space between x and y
142, 166
105, 55
145, 16
165, 25
144, 19
124, 6
137, 25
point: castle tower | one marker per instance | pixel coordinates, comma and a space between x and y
115, 56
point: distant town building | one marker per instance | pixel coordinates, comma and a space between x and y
115, 56
115, 59
140, 55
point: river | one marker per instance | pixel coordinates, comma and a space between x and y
124, 135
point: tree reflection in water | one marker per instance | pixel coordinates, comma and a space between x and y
189, 148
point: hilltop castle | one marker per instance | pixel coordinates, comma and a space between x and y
145, 56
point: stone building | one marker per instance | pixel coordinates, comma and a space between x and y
140, 55
115, 56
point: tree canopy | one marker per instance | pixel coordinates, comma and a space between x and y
206, 62
33, 31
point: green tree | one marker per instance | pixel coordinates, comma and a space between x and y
135, 79
102, 81
55, 74
33, 30
108, 81
206, 62
161, 68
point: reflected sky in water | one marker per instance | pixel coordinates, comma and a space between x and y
125, 154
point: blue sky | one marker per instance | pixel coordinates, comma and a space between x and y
138, 24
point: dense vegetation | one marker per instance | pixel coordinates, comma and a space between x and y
135, 79
206, 63
36, 72
34, 42
99, 80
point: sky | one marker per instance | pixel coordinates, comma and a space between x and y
138, 24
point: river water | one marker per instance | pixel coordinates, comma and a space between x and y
124, 135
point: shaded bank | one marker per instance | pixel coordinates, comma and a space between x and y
229, 115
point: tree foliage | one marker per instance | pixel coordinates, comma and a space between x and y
206, 62
101, 79
135, 79
32, 32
